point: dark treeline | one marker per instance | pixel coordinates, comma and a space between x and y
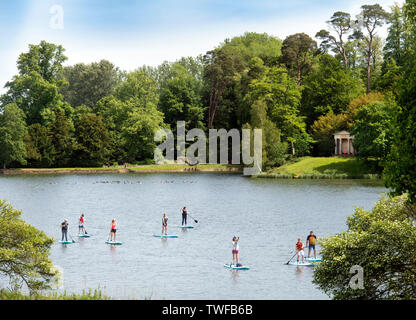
299, 91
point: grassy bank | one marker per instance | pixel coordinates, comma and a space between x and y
323, 168
90, 295
130, 168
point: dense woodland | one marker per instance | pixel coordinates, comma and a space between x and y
299, 90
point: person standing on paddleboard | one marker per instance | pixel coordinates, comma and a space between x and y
165, 224
64, 229
81, 229
236, 250
300, 250
184, 216
113, 230
310, 243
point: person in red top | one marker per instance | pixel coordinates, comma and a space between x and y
300, 250
113, 229
81, 228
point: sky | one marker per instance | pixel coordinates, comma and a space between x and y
132, 33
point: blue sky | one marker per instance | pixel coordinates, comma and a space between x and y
131, 33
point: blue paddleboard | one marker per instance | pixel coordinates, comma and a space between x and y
313, 259
304, 264
114, 243
84, 235
165, 236
186, 227
233, 266
65, 242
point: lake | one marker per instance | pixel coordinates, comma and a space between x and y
268, 215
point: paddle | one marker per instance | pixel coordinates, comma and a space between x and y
196, 221
291, 258
73, 241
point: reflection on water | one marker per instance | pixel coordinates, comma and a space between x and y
268, 215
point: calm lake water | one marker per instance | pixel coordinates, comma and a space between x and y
268, 215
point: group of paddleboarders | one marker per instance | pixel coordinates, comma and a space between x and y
300, 248
82, 231
113, 229
310, 243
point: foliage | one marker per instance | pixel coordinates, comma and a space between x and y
24, 252
328, 87
180, 99
12, 133
323, 131
372, 129
87, 84
381, 241
298, 55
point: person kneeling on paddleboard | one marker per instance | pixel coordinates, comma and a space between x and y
64, 228
184, 216
165, 224
113, 230
81, 229
300, 250
310, 243
235, 251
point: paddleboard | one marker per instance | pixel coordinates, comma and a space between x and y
84, 235
313, 259
65, 242
186, 227
165, 236
114, 243
304, 264
233, 266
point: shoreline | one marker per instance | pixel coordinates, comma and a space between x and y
140, 169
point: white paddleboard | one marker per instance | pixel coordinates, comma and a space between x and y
303, 264
313, 259
165, 236
233, 266
114, 243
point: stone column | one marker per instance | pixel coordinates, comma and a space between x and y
349, 146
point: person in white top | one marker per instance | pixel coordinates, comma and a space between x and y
236, 250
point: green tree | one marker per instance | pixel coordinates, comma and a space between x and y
226, 62
61, 133
138, 131
38, 146
93, 141
36, 87
383, 243
400, 168
328, 87
12, 133
323, 131
340, 23
298, 55
180, 99
24, 252
373, 129
87, 84
371, 17
282, 95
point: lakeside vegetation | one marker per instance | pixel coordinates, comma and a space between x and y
131, 168
16, 295
324, 168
